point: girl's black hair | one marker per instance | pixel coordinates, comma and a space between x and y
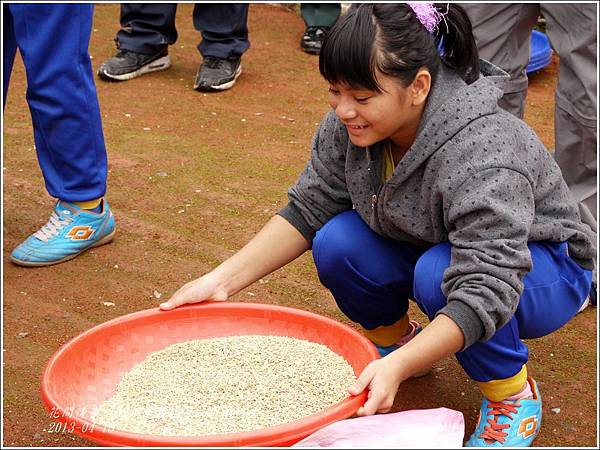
388, 38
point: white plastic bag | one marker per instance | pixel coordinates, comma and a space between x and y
419, 428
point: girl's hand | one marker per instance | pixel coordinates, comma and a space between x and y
196, 291
382, 378
441, 338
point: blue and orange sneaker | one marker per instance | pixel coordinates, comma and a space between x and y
386, 350
416, 328
513, 423
69, 232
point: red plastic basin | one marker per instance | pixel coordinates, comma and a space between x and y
86, 370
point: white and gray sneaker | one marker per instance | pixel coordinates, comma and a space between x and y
126, 65
584, 305
591, 299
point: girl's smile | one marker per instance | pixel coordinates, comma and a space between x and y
355, 130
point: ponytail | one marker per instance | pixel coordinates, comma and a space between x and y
455, 38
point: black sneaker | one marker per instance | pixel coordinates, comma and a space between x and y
312, 39
217, 74
126, 65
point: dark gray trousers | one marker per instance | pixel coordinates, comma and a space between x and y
503, 34
148, 27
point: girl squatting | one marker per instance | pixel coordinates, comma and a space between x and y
419, 187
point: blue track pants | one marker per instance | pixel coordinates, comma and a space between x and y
372, 279
53, 40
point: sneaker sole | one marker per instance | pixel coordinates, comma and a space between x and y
221, 87
156, 65
105, 240
585, 304
311, 51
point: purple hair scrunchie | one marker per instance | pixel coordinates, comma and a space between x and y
427, 14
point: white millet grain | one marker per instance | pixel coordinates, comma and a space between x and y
226, 385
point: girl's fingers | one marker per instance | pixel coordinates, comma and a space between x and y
194, 292
373, 403
363, 381
181, 297
173, 303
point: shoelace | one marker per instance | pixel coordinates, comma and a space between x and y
493, 431
213, 63
122, 53
52, 227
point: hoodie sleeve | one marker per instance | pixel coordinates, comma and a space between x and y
488, 220
320, 192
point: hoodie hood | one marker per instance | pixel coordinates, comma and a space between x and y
445, 116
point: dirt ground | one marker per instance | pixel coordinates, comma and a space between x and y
192, 178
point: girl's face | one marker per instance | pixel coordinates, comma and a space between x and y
372, 116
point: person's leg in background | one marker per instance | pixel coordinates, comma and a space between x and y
53, 40
554, 290
9, 49
503, 33
318, 18
572, 31
147, 29
224, 29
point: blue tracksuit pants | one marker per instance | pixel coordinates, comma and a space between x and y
53, 40
149, 27
372, 278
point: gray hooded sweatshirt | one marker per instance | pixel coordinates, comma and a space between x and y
476, 177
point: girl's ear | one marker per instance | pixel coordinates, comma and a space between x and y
420, 87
